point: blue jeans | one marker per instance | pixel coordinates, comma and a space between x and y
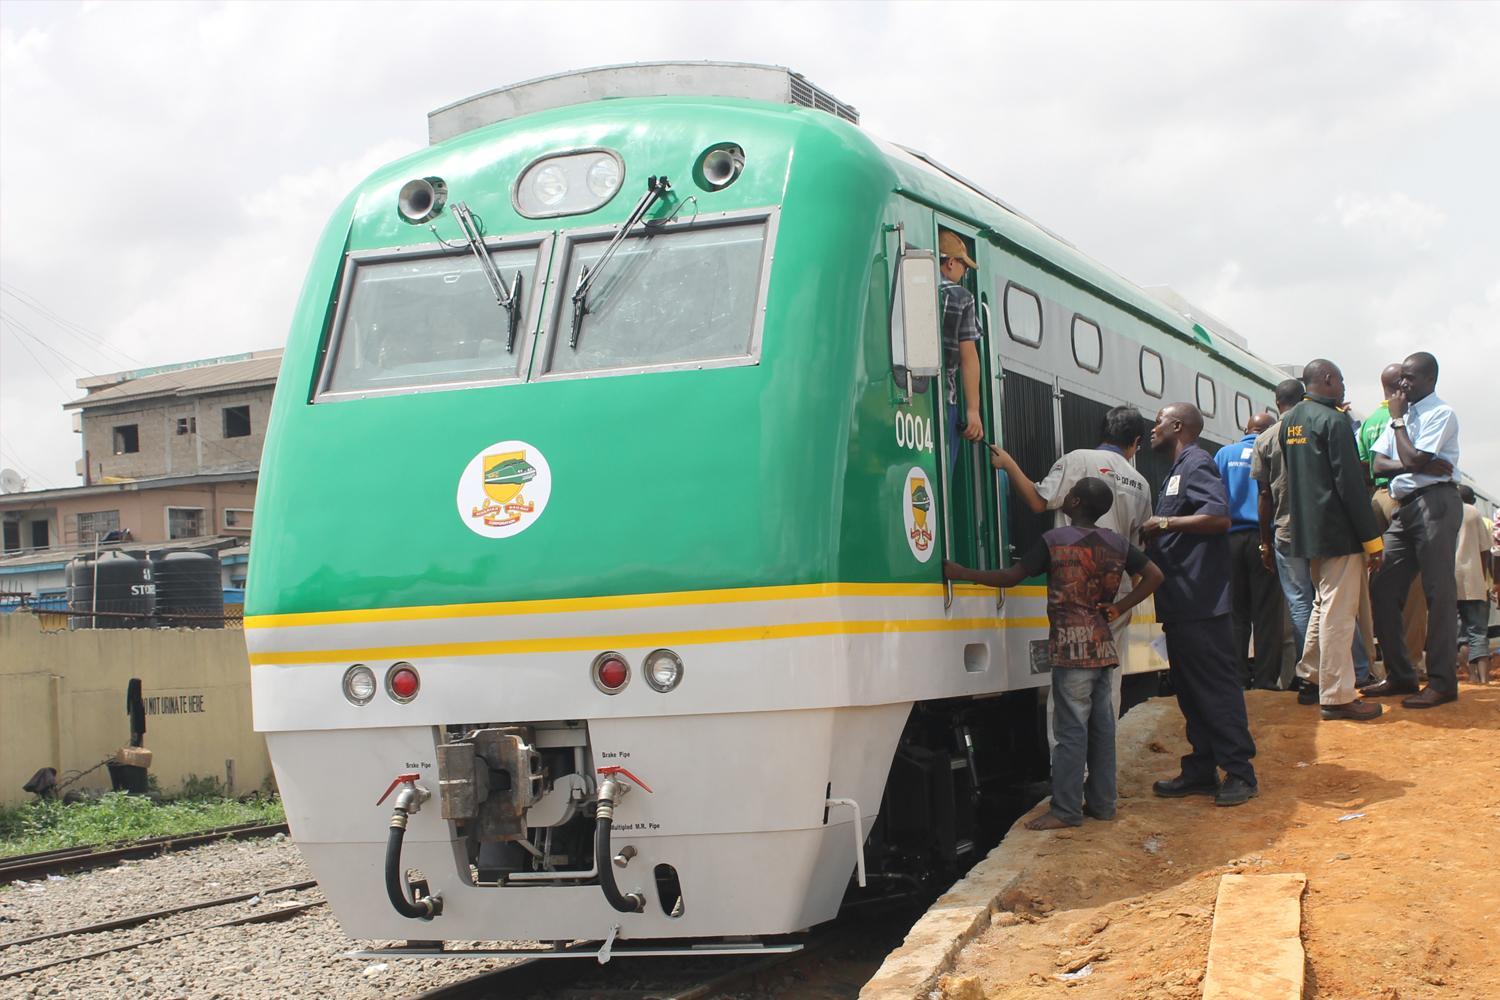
1084, 723
1474, 628
1295, 575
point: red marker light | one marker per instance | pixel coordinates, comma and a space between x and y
611, 672
403, 682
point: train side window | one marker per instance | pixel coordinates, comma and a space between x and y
1208, 396
1243, 409
1023, 315
1088, 344
1153, 375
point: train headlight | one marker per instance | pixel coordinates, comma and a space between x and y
604, 176
663, 670
568, 183
359, 684
402, 682
550, 185
611, 673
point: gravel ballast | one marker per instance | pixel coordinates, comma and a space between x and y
301, 956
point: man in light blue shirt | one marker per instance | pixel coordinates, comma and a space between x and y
1418, 450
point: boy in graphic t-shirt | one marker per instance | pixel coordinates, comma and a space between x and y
1084, 564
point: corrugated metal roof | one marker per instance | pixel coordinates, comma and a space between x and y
187, 382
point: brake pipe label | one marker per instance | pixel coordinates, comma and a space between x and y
504, 489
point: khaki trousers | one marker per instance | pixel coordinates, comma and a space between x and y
1337, 582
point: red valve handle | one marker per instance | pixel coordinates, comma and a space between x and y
616, 769
400, 779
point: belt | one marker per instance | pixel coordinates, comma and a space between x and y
1403, 501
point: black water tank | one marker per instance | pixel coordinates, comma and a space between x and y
189, 589
126, 594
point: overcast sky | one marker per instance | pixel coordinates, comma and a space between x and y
1322, 177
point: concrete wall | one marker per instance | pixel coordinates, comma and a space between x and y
62, 703
163, 451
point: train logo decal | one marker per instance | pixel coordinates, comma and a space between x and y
504, 489
917, 511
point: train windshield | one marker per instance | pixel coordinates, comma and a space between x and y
425, 320
679, 297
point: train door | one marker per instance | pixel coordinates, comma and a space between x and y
973, 513
1032, 435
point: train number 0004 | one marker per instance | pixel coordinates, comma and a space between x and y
913, 431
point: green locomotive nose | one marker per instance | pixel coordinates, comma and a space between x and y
511, 472
920, 498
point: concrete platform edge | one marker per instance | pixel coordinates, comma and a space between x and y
931, 947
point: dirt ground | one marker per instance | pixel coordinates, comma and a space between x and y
1396, 824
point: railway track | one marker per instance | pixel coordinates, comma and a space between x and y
25, 867
686, 977
139, 919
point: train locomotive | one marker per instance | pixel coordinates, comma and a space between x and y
597, 594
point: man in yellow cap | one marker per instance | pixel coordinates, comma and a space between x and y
960, 342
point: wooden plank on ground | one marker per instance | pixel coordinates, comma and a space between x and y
1256, 949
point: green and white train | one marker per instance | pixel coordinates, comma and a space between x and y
604, 460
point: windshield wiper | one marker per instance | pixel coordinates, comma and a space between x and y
656, 189
507, 297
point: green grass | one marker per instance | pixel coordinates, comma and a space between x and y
51, 826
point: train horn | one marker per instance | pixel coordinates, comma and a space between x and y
722, 165
421, 199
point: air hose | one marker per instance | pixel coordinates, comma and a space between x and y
610, 790
427, 907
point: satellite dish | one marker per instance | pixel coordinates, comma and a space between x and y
11, 481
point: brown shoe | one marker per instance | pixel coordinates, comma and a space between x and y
1354, 711
1386, 688
1429, 698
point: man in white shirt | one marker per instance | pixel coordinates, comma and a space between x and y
1418, 450
1120, 438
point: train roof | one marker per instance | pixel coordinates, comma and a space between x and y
918, 175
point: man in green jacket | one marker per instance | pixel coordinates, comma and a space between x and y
1334, 527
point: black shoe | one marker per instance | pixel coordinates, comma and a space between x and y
1429, 698
1235, 792
1179, 787
1308, 695
1386, 688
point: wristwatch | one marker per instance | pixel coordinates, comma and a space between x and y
1398, 422
1161, 522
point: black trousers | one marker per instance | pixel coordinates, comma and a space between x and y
1200, 656
1422, 538
1259, 605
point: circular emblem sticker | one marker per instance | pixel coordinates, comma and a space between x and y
917, 511
504, 489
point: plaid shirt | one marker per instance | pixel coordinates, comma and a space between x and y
960, 323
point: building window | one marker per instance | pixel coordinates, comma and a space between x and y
1243, 408
1153, 376
184, 522
1023, 315
1088, 344
39, 534
236, 421
238, 518
96, 524
127, 439
12, 536
1208, 396
187, 425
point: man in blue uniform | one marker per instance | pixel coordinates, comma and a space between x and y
1258, 605
1188, 540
